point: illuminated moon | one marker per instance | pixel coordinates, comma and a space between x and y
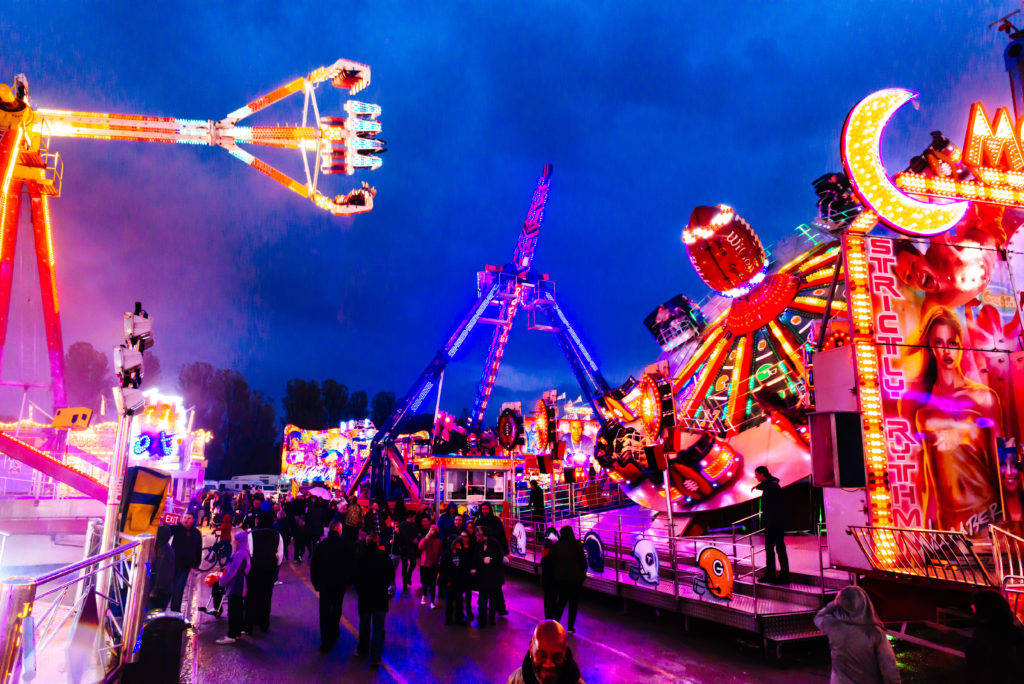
862, 135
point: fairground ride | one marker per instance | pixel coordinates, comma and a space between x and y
327, 145
502, 292
728, 394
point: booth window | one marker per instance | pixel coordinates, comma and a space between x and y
457, 484
476, 484
495, 486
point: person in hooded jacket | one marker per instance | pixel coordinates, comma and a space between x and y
374, 571
996, 648
549, 660
330, 571
233, 582
861, 653
488, 575
773, 513
161, 574
570, 561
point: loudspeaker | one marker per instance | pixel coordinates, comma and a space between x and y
569, 475
837, 449
656, 457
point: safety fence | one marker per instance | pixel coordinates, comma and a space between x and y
1008, 554
69, 612
572, 498
914, 552
727, 570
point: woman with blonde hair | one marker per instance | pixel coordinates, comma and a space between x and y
957, 421
861, 653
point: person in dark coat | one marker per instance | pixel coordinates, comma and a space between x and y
996, 648
773, 517
408, 549
374, 571
547, 579
373, 521
454, 578
283, 525
496, 531
266, 548
330, 571
446, 520
549, 660
488, 575
537, 506
161, 574
570, 561
187, 543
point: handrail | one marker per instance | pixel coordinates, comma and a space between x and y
934, 554
82, 564
23, 633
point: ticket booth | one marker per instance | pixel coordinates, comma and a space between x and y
465, 481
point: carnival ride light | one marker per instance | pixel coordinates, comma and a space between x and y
861, 153
724, 250
657, 406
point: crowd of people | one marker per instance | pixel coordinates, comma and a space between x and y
378, 550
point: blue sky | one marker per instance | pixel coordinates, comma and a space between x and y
644, 109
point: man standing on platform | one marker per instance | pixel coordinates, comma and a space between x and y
187, 543
773, 516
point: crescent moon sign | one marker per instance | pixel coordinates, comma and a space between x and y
862, 159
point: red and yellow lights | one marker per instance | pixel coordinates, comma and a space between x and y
657, 405
861, 139
870, 395
724, 250
544, 424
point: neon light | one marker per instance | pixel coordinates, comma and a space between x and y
869, 395
861, 138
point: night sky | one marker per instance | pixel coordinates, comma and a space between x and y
643, 112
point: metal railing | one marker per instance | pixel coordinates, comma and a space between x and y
639, 552
1008, 554
572, 499
35, 612
1007, 550
914, 552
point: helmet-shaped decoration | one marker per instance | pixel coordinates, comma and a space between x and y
717, 572
724, 250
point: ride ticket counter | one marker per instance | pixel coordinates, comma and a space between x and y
464, 480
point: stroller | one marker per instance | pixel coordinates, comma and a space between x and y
215, 606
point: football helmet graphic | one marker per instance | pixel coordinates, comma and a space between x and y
717, 576
646, 572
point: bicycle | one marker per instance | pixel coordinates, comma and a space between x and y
215, 555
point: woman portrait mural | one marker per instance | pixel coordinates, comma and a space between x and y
958, 421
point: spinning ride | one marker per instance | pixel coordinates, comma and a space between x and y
509, 289
726, 396
327, 145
